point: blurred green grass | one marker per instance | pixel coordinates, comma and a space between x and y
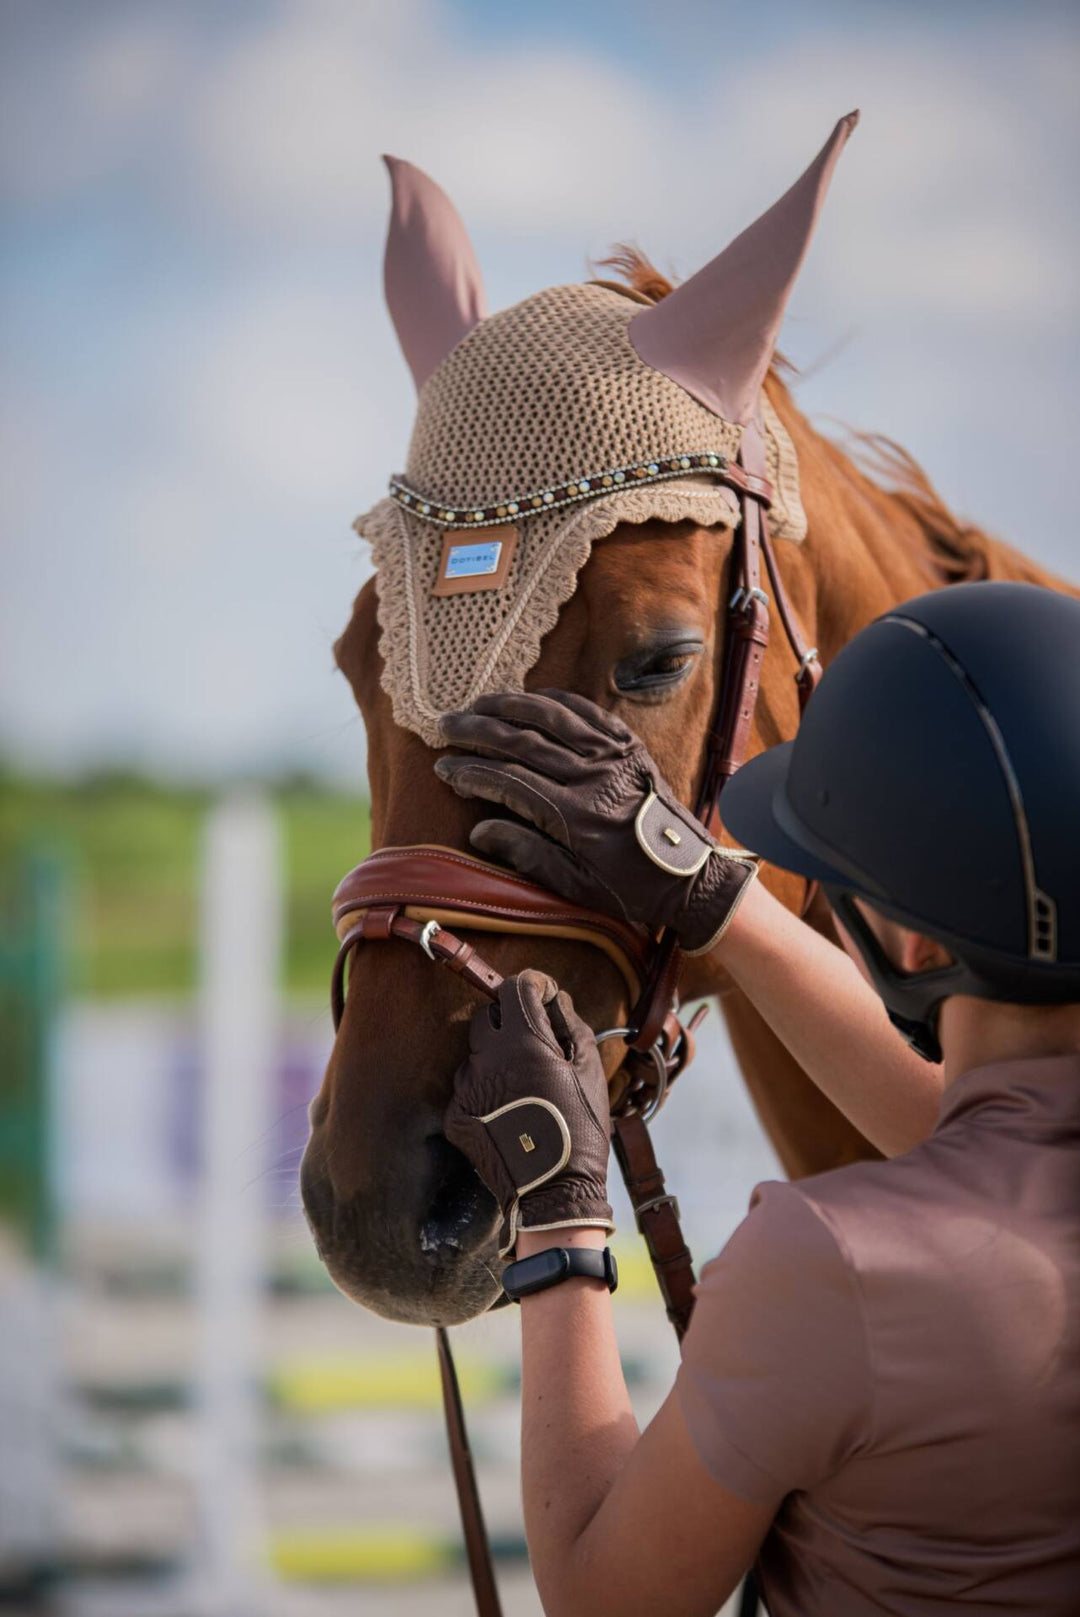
131, 850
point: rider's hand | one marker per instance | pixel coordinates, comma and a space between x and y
610, 832
530, 1110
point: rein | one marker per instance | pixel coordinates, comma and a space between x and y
421, 894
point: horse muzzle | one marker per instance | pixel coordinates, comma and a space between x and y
422, 1250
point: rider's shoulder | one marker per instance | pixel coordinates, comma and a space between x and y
784, 1236
840, 1223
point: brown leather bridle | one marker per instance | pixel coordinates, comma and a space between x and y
422, 894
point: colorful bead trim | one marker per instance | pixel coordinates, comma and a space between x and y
550, 499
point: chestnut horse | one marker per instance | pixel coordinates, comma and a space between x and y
400, 1219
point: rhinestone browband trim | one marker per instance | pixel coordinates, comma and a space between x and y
550, 499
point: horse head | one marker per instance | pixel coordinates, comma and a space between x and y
619, 593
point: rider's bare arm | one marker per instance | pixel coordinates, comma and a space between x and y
618, 1522
816, 1001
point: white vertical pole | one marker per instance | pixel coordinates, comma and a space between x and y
241, 946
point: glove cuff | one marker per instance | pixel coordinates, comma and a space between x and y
717, 894
558, 1211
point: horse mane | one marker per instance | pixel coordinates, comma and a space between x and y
952, 551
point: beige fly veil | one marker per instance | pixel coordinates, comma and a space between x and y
540, 428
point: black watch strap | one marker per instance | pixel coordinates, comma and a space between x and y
557, 1264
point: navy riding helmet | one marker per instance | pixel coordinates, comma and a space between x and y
937, 775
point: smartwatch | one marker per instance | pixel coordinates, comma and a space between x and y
558, 1263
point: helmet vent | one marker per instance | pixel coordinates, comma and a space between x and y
1044, 927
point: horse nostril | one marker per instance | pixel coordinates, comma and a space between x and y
462, 1209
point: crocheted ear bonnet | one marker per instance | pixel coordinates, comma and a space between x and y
541, 428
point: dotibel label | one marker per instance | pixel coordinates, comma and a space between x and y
472, 561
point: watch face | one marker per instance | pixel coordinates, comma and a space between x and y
548, 1268
540, 1270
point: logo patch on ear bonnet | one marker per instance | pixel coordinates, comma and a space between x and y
475, 559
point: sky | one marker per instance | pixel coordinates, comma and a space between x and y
200, 385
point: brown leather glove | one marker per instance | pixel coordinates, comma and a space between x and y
530, 1110
611, 834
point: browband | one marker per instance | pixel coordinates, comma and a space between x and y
518, 507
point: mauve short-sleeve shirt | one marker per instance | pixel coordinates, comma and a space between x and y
890, 1354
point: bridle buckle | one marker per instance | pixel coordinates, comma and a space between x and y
666, 1200
742, 598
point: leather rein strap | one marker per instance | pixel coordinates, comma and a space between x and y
418, 894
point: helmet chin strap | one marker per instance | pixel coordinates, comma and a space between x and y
912, 999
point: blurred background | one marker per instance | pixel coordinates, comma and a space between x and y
200, 390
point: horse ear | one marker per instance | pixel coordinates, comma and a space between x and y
715, 334
434, 290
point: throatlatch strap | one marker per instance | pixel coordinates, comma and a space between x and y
809, 664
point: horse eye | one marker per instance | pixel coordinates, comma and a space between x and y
657, 670
671, 663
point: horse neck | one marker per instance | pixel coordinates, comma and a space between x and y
864, 552
870, 547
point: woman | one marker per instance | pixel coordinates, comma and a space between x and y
879, 1396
